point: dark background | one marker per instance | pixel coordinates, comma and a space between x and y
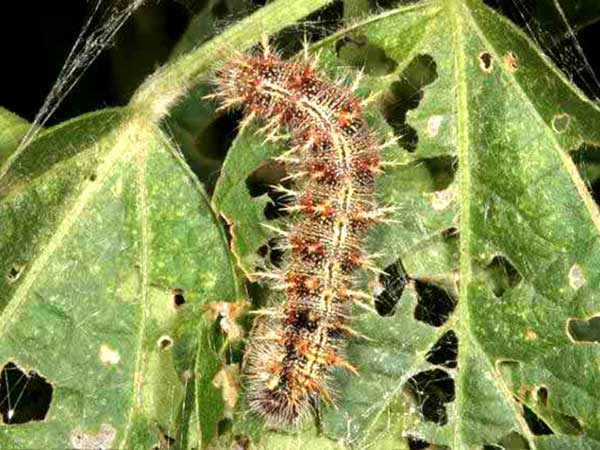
36, 38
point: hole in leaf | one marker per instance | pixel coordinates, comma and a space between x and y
392, 284
178, 298
566, 424
24, 397
276, 208
435, 303
227, 226
273, 253
108, 355
211, 145
221, 133
560, 122
486, 62
415, 443
358, 53
164, 342
224, 426
542, 395
450, 233
444, 351
502, 275
570, 424
432, 389
276, 252
431, 175
536, 425
584, 330
261, 182
442, 170
406, 94
316, 26
14, 273
263, 251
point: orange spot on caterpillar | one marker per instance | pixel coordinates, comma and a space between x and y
311, 283
303, 347
325, 209
343, 292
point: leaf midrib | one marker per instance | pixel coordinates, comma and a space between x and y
464, 183
458, 8
142, 204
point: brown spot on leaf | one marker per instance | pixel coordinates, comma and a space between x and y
228, 380
226, 314
102, 439
530, 334
511, 61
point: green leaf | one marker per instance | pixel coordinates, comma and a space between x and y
12, 130
104, 228
105, 232
511, 238
101, 221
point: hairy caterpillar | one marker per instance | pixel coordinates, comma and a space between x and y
334, 159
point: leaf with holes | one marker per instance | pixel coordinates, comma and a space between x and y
118, 293
493, 342
109, 255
